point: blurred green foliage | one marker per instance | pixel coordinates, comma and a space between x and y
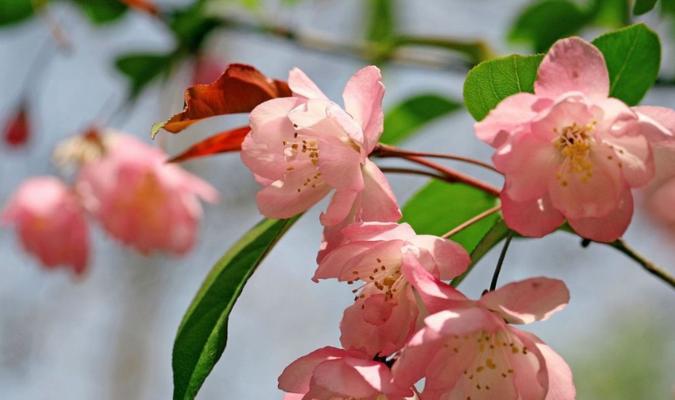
408, 117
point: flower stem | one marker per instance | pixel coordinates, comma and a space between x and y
472, 221
412, 171
644, 263
384, 150
502, 255
454, 176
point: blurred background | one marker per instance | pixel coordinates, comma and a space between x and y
110, 334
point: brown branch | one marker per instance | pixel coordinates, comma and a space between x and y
472, 221
384, 150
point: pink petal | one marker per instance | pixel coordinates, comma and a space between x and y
572, 65
633, 155
339, 208
363, 101
659, 122
377, 201
282, 198
373, 231
529, 365
560, 381
302, 86
296, 377
263, 149
661, 201
435, 294
340, 165
343, 380
448, 258
510, 115
529, 163
533, 218
333, 264
377, 325
609, 227
524, 302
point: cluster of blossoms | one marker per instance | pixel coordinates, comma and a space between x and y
569, 152
125, 185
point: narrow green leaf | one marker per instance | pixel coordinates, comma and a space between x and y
643, 6
406, 118
142, 68
439, 207
492, 81
102, 12
494, 235
633, 56
15, 11
202, 334
544, 22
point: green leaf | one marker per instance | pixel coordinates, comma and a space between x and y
610, 13
633, 56
142, 68
544, 22
406, 118
643, 6
102, 12
15, 11
191, 26
492, 81
202, 334
494, 235
439, 207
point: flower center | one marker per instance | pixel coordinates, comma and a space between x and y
385, 279
574, 144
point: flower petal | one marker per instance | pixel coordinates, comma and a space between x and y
287, 198
448, 259
435, 294
377, 201
524, 302
658, 123
533, 218
302, 86
363, 101
339, 208
572, 65
609, 227
296, 377
510, 114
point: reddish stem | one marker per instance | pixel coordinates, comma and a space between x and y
455, 176
472, 221
383, 150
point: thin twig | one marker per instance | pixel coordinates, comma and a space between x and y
412, 171
454, 176
502, 255
383, 150
472, 221
644, 263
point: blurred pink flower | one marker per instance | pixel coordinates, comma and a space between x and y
330, 374
569, 151
140, 199
468, 349
384, 314
50, 223
303, 147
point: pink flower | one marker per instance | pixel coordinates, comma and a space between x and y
141, 200
334, 374
384, 313
569, 151
301, 148
50, 223
468, 349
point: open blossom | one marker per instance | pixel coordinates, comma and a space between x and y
469, 349
301, 148
569, 151
335, 374
141, 200
50, 223
385, 311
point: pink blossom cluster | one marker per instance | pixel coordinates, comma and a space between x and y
125, 185
406, 323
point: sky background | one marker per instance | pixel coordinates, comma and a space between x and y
109, 335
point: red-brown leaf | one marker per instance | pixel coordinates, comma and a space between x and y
17, 129
238, 90
219, 143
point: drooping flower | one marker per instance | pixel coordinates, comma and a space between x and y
140, 199
385, 311
301, 148
17, 129
50, 223
469, 349
569, 151
335, 374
